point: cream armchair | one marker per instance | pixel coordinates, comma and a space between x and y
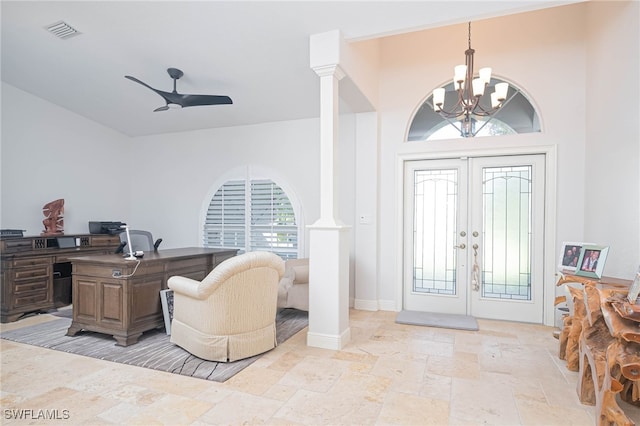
231, 313
293, 290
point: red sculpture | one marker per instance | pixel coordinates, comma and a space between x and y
54, 218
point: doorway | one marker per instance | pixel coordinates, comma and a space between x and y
474, 236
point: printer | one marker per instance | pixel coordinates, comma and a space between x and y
105, 227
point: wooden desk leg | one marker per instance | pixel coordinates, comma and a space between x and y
73, 330
10, 318
127, 340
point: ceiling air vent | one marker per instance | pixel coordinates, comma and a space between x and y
62, 30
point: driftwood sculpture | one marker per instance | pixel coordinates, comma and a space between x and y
54, 217
601, 340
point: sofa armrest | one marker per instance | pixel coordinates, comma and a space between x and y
186, 286
301, 274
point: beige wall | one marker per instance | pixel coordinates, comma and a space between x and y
550, 54
612, 181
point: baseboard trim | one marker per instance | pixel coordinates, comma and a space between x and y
365, 305
389, 305
329, 341
375, 305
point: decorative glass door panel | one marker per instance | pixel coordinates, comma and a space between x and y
435, 231
506, 224
474, 244
433, 196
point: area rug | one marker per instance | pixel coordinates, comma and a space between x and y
153, 350
432, 319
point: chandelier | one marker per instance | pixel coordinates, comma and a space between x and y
469, 90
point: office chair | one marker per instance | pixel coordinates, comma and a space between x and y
140, 240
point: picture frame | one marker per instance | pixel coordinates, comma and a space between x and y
166, 298
569, 260
634, 290
592, 260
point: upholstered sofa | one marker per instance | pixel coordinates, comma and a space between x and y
231, 313
293, 290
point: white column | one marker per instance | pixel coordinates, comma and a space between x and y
330, 77
329, 238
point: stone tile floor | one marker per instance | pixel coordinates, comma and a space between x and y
389, 374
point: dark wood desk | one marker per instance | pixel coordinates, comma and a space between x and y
35, 274
122, 297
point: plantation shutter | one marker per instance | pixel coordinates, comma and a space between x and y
265, 220
225, 223
273, 223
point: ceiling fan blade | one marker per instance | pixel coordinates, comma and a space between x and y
198, 100
140, 82
166, 95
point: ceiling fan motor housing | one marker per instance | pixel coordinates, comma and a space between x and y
175, 73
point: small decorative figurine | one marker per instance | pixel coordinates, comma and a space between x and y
54, 217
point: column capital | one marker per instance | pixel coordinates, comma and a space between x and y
330, 70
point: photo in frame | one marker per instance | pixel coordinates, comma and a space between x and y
634, 290
591, 261
570, 255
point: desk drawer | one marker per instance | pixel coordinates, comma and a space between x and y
30, 286
17, 245
33, 298
31, 261
41, 271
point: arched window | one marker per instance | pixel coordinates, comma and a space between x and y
517, 115
252, 215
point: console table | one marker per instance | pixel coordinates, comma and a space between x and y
121, 297
601, 340
36, 273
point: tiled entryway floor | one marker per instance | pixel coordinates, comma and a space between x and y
389, 374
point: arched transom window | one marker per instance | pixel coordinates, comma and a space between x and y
517, 115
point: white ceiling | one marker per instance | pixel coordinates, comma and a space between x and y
255, 52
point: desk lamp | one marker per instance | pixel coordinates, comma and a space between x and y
131, 255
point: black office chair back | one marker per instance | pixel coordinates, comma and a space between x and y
140, 241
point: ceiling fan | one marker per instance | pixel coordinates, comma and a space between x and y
178, 99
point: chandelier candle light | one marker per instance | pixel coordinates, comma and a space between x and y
469, 95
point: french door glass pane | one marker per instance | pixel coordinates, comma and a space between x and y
434, 231
507, 221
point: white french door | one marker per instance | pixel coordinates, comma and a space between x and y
474, 232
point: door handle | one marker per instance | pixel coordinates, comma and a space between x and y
475, 275
461, 246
